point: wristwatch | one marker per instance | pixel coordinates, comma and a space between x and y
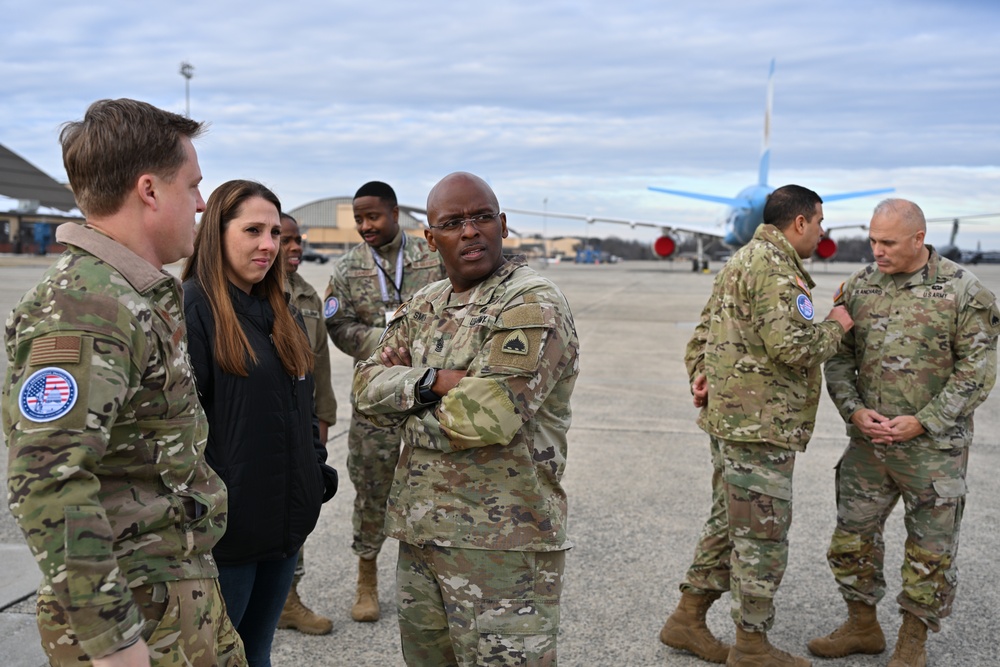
426, 396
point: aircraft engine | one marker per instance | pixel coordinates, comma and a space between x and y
664, 246
827, 248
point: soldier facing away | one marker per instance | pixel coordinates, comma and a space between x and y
107, 476
370, 281
907, 379
477, 373
754, 365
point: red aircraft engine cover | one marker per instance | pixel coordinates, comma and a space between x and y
827, 248
664, 246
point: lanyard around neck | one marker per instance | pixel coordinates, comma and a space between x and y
382, 275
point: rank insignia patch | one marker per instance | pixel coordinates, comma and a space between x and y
515, 343
47, 395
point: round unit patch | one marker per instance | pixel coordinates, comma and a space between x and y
331, 306
805, 306
48, 395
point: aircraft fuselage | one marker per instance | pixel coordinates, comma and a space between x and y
742, 221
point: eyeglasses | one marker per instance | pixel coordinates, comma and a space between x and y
456, 224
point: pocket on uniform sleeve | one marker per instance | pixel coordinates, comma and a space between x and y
90, 561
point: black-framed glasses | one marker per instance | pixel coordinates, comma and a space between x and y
456, 224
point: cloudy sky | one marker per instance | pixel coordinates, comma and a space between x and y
574, 106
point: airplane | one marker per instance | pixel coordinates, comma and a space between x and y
952, 251
744, 214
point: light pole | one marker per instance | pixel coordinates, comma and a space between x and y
545, 237
187, 71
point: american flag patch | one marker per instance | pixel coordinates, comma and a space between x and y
47, 395
55, 350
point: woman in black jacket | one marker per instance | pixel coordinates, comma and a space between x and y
253, 366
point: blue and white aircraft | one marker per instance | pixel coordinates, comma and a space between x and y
744, 214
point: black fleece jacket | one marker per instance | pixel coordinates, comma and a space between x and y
263, 438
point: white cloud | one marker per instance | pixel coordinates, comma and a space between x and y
581, 103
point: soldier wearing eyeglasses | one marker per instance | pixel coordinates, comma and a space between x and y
476, 373
369, 281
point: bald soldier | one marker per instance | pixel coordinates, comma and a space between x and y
107, 475
476, 373
907, 379
368, 283
754, 364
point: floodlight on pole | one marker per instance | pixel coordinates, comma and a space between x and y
545, 236
187, 71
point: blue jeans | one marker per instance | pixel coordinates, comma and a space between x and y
254, 595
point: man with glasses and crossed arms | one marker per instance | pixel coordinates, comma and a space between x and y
369, 281
476, 373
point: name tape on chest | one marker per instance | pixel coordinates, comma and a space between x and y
47, 395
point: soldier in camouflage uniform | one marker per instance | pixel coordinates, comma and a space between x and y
477, 372
107, 473
304, 298
754, 363
906, 380
370, 281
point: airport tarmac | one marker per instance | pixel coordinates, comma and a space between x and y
638, 479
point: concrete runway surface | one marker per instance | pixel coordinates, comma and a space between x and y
638, 482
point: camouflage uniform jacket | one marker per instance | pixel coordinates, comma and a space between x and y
481, 469
760, 347
926, 348
353, 305
307, 302
115, 492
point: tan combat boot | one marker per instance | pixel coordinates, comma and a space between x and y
686, 630
299, 617
910, 651
365, 609
860, 633
753, 650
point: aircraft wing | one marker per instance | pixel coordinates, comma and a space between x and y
663, 226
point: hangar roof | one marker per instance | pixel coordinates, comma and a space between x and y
21, 180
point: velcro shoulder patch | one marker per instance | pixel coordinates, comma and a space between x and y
838, 296
524, 315
516, 342
802, 285
55, 350
518, 349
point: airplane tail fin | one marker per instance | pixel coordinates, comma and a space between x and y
765, 151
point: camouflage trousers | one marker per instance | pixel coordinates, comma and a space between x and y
473, 607
870, 481
710, 568
757, 478
372, 454
186, 625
